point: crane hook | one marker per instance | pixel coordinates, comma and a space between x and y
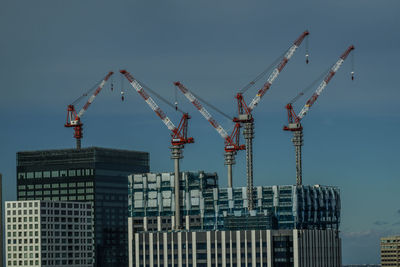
122, 96
176, 105
352, 75
112, 87
307, 59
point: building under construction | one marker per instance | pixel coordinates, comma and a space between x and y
282, 217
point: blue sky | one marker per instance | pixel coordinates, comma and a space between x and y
52, 51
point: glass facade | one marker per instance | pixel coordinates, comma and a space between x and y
97, 175
151, 195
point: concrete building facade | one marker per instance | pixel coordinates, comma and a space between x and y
47, 233
390, 251
97, 175
271, 248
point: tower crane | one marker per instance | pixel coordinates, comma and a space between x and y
245, 112
294, 121
178, 141
231, 141
74, 118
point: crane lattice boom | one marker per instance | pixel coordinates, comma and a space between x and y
202, 110
324, 83
92, 97
152, 104
277, 70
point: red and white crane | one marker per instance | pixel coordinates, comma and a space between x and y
294, 121
231, 141
74, 118
178, 140
245, 117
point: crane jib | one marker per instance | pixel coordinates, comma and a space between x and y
288, 55
324, 83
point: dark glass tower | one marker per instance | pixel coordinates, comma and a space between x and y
98, 175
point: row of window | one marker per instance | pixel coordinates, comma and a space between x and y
50, 262
23, 234
65, 205
25, 241
55, 174
25, 226
23, 263
22, 255
22, 212
65, 241
22, 248
22, 204
60, 198
20, 219
55, 185
55, 192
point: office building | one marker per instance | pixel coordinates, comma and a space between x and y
272, 248
47, 233
1, 219
306, 217
98, 175
390, 251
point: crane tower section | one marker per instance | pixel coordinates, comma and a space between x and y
294, 121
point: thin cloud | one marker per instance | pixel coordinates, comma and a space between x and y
380, 223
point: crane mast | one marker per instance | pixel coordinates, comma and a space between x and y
294, 121
178, 139
231, 141
245, 117
74, 118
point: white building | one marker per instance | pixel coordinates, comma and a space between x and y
269, 248
46, 233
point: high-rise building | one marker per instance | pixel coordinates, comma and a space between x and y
289, 226
390, 251
47, 233
98, 175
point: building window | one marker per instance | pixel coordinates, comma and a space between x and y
29, 175
54, 174
46, 174
63, 173
38, 174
